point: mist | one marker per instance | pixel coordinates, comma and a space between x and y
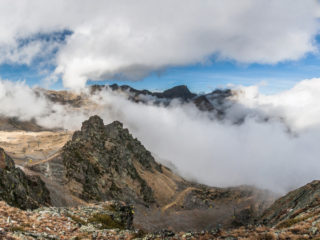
275, 146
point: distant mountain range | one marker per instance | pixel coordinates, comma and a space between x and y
215, 102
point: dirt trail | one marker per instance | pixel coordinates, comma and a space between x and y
179, 199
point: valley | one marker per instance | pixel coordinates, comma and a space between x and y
104, 164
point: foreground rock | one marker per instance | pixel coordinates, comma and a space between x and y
109, 220
113, 220
17, 189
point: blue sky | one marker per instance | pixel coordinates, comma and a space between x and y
270, 78
199, 78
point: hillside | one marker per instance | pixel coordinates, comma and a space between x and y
102, 163
113, 220
105, 162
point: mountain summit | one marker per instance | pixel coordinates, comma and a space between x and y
105, 161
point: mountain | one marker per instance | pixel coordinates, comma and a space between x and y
105, 162
212, 102
217, 102
181, 91
104, 177
18, 189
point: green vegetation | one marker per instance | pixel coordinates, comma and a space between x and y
289, 222
292, 221
108, 207
77, 220
16, 229
106, 221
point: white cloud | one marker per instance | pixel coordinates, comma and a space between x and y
298, 106
216, 153
119, 38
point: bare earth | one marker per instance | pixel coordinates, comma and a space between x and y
32, 147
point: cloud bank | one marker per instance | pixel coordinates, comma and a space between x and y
129, 39
260, 151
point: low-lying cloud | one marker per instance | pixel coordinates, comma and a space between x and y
275, 146
129, 39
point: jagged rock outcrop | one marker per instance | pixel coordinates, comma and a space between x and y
295, 206
102, 160
18, 189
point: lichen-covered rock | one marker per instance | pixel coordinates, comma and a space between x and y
107, 220
18, 189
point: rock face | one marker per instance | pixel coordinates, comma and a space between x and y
17, 189
100, 161
290, 208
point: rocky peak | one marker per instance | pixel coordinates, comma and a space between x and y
180, 91
93, 124
92, 129
101, 162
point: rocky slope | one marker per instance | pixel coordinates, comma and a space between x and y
113, 220
296, 206
107, 220
105, 162
17, 189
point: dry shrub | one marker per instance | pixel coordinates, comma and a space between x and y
266, 236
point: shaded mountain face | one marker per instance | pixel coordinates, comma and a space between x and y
212, 102
297, 206
18, 189
181, 92
216, 102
